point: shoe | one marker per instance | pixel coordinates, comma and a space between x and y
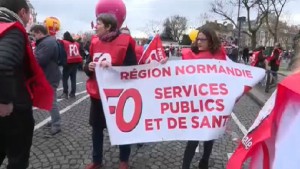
203, 164
93, 166
63, 96
123, 165
72, 95
55, 131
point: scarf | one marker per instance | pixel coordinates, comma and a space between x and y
7, 15
109, 36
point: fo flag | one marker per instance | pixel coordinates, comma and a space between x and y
273, 140
154, 51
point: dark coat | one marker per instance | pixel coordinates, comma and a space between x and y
12, 84
47, 54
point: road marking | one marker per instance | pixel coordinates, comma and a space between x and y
239, 124
229, 155
59, 89
41, 124
59, 100
241, 127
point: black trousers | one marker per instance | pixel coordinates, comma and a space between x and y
69, 71
16, 132
246, 58
97, 121
190, 152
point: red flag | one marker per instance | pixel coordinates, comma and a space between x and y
154, 51
274, 137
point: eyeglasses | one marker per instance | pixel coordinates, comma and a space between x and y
201, 39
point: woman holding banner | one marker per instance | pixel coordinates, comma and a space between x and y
111, 48
206, 46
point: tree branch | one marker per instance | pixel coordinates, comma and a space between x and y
218, 8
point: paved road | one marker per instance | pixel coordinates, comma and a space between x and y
71, 149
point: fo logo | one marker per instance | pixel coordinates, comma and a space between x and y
99, 57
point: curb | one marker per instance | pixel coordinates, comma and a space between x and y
256, 99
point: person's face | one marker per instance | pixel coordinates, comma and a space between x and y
101, 29
24, 15
202, 42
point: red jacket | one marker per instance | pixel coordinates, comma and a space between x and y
272, 57
37, 85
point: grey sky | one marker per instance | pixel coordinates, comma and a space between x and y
76, 15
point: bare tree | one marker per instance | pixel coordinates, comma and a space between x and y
274, 9
224, 8
203, 17
253, 27
175, 27
152, 27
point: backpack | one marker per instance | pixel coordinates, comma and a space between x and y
62, 55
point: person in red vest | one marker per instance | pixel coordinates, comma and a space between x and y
139, 49
206, 46
274, 60
22, 85
70, 68
110, 48
258, 58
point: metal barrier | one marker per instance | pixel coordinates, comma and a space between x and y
271, 81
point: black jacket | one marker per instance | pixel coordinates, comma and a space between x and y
47, 54
12, 75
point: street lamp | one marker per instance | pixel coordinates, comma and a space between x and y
239, 27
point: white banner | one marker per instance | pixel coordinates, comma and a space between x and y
181, 100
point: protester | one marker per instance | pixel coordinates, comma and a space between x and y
74, 59
139, 49
274, 60
82, 53
18, 72
206, 46
234, 55
246, 55
46, 53
120, 48
258, 58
